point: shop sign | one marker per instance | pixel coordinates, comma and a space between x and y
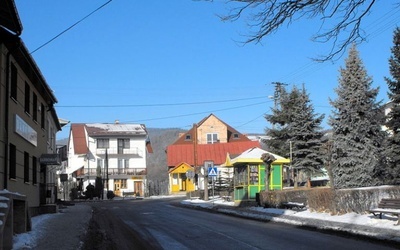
50, 159
24, 130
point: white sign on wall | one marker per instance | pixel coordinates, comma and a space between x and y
23, 129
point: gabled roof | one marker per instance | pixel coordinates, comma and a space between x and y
253, 155
230, 133
178, 153
9, 17
183, 165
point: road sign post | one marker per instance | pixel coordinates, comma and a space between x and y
190, 176
207, 166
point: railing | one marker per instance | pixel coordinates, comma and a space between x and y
120, 151
116, 171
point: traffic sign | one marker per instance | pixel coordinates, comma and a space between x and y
190, 174
212, 171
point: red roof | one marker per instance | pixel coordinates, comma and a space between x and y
217, 152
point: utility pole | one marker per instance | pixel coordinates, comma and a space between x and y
277, 93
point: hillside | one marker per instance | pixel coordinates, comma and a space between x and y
160, 138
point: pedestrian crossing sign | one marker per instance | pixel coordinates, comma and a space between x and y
212, 171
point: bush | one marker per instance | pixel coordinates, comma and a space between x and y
334, 201
73, 194
110, 195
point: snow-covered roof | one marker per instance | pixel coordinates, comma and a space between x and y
100, 129
254, 155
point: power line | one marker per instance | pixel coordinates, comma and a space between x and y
178, 116
157, 104
70, 27
198, 113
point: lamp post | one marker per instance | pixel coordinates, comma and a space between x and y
89, 157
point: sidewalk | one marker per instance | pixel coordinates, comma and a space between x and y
358, 224
62, 231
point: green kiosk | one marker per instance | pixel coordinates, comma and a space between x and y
249, 173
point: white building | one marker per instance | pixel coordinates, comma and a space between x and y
117, 149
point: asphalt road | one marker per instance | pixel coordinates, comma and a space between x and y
160, 224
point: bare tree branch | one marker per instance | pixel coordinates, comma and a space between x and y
343, 18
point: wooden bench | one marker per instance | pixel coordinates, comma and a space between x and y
125, 194
387, 206
296, 202
226, 198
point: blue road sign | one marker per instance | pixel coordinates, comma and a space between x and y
212, 171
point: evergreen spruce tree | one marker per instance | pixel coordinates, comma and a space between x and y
392, 151
278, 142
356, 128
305, 135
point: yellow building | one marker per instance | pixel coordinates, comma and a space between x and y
180, 179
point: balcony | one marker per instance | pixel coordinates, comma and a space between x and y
113, 171
112, 152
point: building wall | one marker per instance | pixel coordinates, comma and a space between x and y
29, 136
3, 53
212, 125
135, 156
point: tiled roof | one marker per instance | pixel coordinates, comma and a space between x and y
178, 153
79, 137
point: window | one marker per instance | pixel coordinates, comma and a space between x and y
241, 176
122, 165
253, 175
100, 163
34, 170
121, 182
123, 143
43, 117
235, 136
35, 107
14, 81
188, 137
26, 167
212, 138
126, 163
27, 98
13, 161
102, 143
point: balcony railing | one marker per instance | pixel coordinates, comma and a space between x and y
120, 151
115, 171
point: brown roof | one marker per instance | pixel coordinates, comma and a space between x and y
79, 136
178, 153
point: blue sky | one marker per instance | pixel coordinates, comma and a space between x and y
171, 63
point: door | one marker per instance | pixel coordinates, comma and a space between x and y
139, 187
117, 187
182, 177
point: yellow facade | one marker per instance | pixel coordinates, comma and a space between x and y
178, 179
